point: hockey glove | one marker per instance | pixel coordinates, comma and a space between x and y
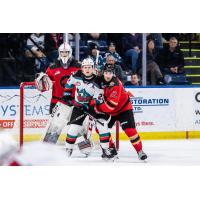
68, 99
43, 82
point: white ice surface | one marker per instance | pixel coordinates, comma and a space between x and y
160, 152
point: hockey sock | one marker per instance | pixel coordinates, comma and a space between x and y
134, 138
111, 143
104, 140
71, 139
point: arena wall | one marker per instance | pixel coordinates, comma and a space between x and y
160, 112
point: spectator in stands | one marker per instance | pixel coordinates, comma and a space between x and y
94, 54
135, 80
153, 70
8, 70
171, 58
99, 38
116, 38
112, 51
157, 38
118, 70
51, 43
35, 45
180, 36
132, 44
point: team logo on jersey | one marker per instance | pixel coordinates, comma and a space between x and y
113, 94
112, 84
58, 72
77, 83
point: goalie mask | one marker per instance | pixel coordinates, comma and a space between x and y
65, 53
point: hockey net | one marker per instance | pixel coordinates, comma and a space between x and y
34, 115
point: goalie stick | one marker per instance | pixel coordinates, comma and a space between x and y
92, 117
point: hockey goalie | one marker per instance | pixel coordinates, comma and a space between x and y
55, 78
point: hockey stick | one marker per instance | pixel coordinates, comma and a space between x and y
83, 115
96, 62
96, 120
97, 58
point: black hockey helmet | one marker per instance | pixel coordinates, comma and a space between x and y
109, 67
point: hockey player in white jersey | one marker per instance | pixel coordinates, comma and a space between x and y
82, 81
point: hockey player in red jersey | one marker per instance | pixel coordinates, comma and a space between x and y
59, 72
117, 104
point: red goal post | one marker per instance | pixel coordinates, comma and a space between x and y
21, 117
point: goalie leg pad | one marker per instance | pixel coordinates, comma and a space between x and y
59, 118
51, 138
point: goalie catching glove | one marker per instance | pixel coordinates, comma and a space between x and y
43, 82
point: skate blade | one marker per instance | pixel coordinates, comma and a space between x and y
86, 155
144, 160
110, 159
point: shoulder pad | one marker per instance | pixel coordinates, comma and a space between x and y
55, 65
114, 82
77, 74
75, 63
97, 81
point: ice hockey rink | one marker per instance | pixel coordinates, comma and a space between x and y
160, 153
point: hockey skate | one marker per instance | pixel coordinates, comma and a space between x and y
113, 151
69, 152
108, 155
142, 155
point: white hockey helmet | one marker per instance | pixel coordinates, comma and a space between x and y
65, 47
87, 61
